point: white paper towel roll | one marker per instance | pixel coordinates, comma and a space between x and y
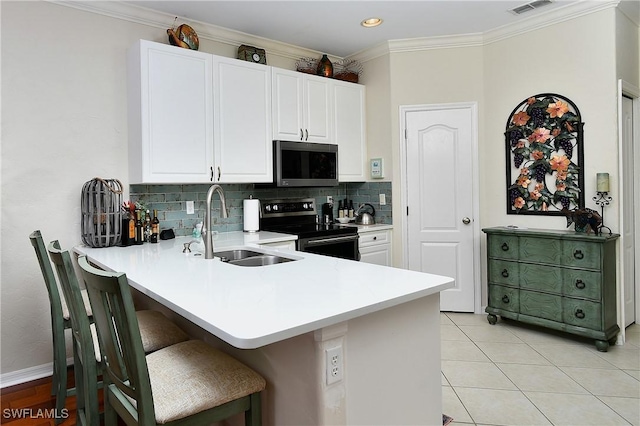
251, 215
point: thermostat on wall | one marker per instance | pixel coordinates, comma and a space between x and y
377, 170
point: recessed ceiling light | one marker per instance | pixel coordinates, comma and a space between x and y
371, 22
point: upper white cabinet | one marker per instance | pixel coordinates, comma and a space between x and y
170, 114
302, 107
350, 130
242, 121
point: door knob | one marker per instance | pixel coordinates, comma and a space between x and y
466, 220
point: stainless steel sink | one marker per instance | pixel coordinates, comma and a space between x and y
231, 255
243, 257
263, 260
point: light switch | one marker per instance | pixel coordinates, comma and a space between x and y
383, 200
190, 208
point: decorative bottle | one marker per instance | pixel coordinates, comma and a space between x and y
350, 208
155, 228
340, 209
139, 229
325, 67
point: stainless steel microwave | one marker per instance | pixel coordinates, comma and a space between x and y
305, 164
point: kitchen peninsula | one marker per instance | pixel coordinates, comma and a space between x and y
281, 319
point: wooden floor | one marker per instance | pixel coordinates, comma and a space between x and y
30, 403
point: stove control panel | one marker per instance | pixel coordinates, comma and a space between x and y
290, 207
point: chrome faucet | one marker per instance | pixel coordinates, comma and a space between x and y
207, 234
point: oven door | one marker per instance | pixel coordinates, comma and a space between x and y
343, 246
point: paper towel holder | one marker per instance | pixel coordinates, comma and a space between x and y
259, 219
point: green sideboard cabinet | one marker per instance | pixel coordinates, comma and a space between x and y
552, 278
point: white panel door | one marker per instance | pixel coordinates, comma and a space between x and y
242, 125
630, 213
440, 231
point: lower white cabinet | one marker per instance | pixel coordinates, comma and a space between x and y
287, 245
375, 246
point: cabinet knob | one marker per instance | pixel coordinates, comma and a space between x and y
505, 273
579, 314
505, 247
375, 238
580, 284
578, 254
505, 298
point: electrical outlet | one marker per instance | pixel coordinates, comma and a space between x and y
190, 207
383, 200
329, 199
335, 365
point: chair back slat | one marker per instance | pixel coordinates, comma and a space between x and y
119, 334
71, 290
49, 278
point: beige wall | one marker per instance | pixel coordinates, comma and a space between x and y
64, 122
627, 49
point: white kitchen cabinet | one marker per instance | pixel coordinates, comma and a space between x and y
287, 245
375, 246
170, 114
350, 130
242, 121
302, 107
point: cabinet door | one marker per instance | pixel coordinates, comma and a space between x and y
317, 109
349, 130
242, 131
170, 114
287, 105
377, 254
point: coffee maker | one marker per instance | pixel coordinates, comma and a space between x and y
327, 213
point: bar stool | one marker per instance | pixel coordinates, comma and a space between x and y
157, 331
187, 383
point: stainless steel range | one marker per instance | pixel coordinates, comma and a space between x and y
299, 217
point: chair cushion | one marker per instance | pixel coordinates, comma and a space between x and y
157, 331
85, 299
192, 377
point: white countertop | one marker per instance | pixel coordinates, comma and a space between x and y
250, 307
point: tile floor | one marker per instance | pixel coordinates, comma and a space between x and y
514, 374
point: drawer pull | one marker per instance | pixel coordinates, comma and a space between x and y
375, 238
579, 314
505, 298
505, 273
505, 247
578, 254
580, 284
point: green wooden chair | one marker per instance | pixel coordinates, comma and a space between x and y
86, 356
185, 384
157, 331
60, 321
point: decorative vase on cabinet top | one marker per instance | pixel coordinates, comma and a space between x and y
325, 67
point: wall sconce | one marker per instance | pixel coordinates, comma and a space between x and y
602, 198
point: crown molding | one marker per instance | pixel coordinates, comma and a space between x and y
156, 19
552, 17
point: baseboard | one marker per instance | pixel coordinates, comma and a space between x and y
28, 374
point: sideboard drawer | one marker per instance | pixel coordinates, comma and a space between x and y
503, 246
541, 305
582, 313
579, 283
503, 272
505, 298
543, 250
541, 277
582, 254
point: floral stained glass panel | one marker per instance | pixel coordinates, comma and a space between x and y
544, 156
